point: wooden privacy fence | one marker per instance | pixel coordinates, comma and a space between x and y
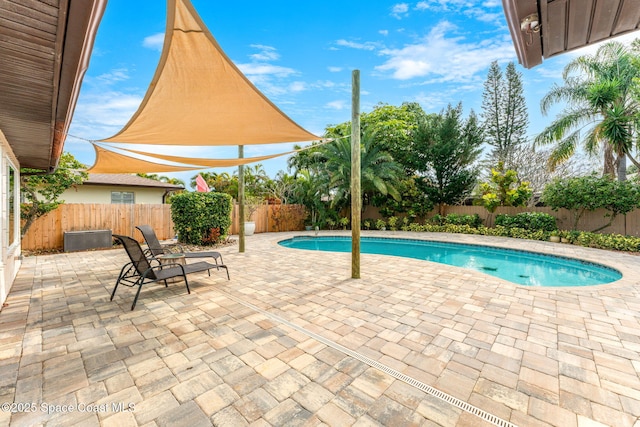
272, 218
47, 232
626, 225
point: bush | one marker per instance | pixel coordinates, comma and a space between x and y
608, 241
528, 221
471, 220
593, 240
504, 189
200, 218
457, 219
588, 193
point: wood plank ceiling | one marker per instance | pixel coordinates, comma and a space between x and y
565, 25
42, 61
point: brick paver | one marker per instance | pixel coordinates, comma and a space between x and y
531, 356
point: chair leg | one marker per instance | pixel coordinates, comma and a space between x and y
186, 283
122, 273
135, 300
114, 289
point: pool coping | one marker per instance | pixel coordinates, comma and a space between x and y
616, 260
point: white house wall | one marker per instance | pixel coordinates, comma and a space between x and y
102, 194
10, 252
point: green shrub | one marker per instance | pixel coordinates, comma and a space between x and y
528, 221
392, 221
589, 239
588, 193
195, 215
457, 219
609, 241
470, 220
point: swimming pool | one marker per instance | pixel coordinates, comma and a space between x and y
521, 267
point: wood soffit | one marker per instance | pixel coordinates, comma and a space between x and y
565, 25
44, 51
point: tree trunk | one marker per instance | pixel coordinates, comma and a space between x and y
621, 163
609, 162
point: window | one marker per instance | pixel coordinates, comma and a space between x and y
12, 212
126, 197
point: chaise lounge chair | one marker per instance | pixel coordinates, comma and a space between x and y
155, 248
140, 270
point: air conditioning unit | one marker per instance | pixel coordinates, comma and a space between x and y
87, 239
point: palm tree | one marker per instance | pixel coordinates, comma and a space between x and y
309, 190
379, 171
600, 100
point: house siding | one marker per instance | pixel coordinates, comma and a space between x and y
101, 194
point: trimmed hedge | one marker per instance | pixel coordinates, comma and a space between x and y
593, 240
528, 221
201, 218
457, 219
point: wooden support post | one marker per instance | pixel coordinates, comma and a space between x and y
356, 193
241, 201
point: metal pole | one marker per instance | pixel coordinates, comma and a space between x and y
241, 200
356, 193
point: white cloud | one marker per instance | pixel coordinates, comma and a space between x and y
356, 45
334, 69
326, 84
267, 53
272, 80
485, 16
399, 10
486, 11
114, 76
154, 42
337, 105
384, 32
444, 58
298, 87
101, 114
255, 69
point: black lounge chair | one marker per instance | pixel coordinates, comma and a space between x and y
140, 270
155, 248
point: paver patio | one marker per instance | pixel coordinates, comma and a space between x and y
293, 340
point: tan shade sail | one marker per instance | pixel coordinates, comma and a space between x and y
111, 162
199, 97
210, 163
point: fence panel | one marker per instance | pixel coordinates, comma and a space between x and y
47, 232
272, 218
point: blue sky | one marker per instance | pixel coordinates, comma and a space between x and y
301, 55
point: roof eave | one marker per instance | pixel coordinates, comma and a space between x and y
528, 45
77, 30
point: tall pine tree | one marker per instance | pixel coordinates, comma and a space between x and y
504, 113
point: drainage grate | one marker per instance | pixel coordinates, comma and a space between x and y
492, 419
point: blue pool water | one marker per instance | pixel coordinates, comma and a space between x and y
521, 267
